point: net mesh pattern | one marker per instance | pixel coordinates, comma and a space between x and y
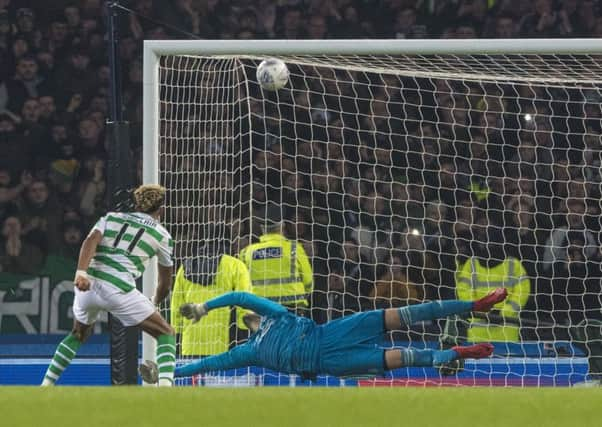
406, 179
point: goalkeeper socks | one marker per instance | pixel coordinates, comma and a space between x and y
64, 354
412, 357
433, 310
166, 359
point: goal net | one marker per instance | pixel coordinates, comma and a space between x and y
406, 178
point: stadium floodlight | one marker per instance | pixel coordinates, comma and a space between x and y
355, 148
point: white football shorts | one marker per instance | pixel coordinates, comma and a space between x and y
131, 308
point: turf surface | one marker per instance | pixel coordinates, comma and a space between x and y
412, 407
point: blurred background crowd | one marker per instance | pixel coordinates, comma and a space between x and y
385, 179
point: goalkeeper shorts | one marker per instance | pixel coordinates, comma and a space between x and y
351, 345
131, 308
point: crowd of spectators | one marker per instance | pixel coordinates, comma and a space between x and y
383, 176
393, 201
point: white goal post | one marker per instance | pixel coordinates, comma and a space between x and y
372, 69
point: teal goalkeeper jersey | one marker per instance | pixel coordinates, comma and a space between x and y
284, 342
287, 343
129, 241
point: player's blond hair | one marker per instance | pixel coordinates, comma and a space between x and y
149, 197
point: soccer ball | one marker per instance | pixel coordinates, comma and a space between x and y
272, 74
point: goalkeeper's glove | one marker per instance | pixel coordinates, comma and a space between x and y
193, 312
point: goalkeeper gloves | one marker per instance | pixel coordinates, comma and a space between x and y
193, 312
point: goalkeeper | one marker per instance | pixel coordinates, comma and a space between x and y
348, 346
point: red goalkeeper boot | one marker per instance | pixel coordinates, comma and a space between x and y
477, 351
488, 301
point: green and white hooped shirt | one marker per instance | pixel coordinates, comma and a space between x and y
129, 241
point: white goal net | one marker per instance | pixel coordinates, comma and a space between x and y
406, 178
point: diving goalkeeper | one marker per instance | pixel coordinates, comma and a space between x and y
348, 346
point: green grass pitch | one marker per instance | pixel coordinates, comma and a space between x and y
283, 407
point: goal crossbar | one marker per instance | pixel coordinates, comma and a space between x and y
373, 47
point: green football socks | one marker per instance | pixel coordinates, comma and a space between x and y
166, 359
65, 352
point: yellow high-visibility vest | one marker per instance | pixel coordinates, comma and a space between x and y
474, 281
211, 335
279, 269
